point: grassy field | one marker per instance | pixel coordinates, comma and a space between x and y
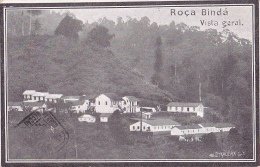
96, 141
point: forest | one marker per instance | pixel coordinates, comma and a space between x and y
58, 53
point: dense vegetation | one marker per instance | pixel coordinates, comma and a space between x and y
56, 52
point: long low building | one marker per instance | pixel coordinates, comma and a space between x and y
15, 106
203, 128
154, 125
197, 108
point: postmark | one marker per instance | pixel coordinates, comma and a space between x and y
45, 127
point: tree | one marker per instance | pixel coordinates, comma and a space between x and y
69, 27
32, 13
156, 79
100, 36
37, 26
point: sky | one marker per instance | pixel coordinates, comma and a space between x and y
241, 15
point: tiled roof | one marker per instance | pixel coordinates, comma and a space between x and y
29, 92
70, 97
34, 104
40, 94
15, 103
179, 104
113, 96
78, 103
188, 127
105, 114
132, 98
207, 125
159, 122
223, 125
88, 97
86, 116
54, 96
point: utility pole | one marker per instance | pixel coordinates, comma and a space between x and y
175, 72
199, 88
141, 121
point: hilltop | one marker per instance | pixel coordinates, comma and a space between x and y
56, 64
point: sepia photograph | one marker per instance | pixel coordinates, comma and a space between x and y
130, 82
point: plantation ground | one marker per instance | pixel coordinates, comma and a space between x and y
96, 141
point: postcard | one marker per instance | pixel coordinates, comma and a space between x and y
130, 82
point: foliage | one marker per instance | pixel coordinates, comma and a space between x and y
156, 79
100, 36
69, 27
210, 140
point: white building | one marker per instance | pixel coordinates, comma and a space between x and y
104, 117
154, 125
15, 106
27, 95
148, 109
108, 103
39, 96
70, 98
53, 97
36, 106
87, 118
224, 127
130, 104
208, 127
194, 132
186, 130
197, 108
219, 127
80, 106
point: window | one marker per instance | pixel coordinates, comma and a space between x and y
143, 127
133, 127
106, 102
137, 127
78, 107
187, 108
98, 102
34, 98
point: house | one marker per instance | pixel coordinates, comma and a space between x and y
81, 105
70, 98
194, 132
15, 106
87, 118
197, 108
130, 104
108, 103
208, 127
224, 127
186, 130
104, 117
154, 125
36, 106
148, 109
53, 97
147, 115
27, 95
39, 96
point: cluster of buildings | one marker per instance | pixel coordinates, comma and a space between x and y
106, 103
103, 103
183, 132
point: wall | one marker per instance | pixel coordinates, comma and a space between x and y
105, 105
152, 128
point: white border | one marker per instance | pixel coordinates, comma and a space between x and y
129, 160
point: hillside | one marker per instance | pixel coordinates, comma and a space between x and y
58, 65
